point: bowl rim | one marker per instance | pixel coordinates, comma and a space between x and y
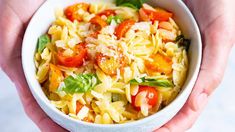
49, 106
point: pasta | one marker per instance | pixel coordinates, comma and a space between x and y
109, 64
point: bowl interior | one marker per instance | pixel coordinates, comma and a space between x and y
43, 19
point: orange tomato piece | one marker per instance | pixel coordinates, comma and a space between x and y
55, 78
76, 60
160, 63
107, 13
78, 106
97, 20
71, 11
107, 64
87, 119
123, 28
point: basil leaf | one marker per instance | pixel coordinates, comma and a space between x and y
129, 5
119, 2
117, 19
182, 41
152, 82
161, 83
42, 42
135, 4
80, 84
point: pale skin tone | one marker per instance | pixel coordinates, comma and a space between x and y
215, 19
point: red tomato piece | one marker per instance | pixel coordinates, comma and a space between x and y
143, 15
76, 60
152, 96
159, 15
107, 13
97, 20
123, 28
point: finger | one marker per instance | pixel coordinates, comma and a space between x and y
31, 107
184, 118
207, 12
28, 7
36, 114
10, 35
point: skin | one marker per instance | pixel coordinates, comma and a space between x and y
215, 19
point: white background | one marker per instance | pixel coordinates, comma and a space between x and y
218, 116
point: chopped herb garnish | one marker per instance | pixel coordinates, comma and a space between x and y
42, 42
152, 82
182, 41
117, 19
135, 4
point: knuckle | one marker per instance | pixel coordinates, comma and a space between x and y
216, 79
214, 82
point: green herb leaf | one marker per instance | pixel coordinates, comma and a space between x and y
152, 82
80, 84
135, 4
130, 5
117, 19
182, 41
116, 97
42, 42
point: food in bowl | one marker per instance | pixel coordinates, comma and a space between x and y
109, 64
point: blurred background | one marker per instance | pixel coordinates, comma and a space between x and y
218, 116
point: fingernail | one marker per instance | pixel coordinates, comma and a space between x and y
200, 101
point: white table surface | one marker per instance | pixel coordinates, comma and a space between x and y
218, 116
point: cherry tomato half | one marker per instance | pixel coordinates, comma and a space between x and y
76, 60
97, 20
159, 15
123, 28
107, 64
160, 63
151, 96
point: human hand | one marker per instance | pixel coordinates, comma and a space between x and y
215, 19
15, 16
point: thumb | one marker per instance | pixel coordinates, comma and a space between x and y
215, 56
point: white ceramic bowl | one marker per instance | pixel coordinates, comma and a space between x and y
43, 19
